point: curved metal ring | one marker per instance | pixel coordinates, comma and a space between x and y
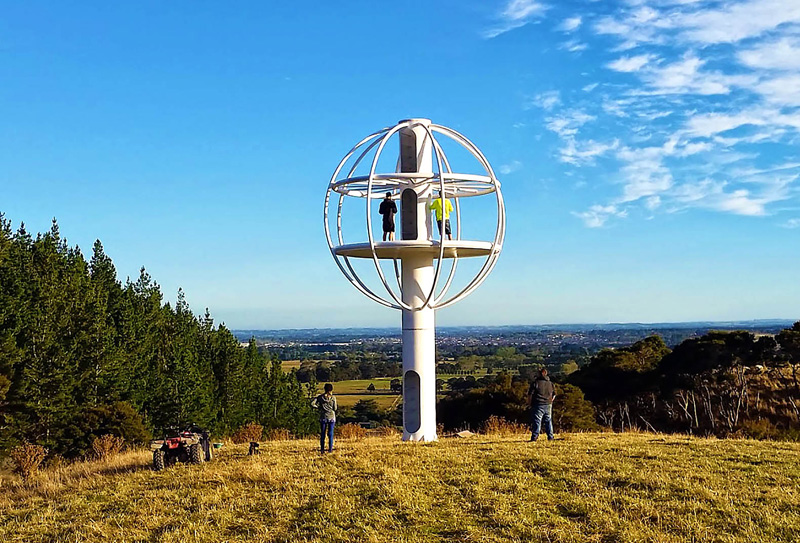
378, 152
459, 185
501, 226
353, 279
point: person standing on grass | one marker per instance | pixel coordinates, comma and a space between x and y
326, 405
540, 396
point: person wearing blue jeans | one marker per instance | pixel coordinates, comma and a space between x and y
327, 407
326, 428
541, 395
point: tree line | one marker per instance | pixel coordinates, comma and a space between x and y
82, 354
722, 383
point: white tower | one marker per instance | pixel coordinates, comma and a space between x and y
420, 247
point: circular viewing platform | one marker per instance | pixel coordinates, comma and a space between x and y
399, 248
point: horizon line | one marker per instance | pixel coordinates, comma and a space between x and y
632, 323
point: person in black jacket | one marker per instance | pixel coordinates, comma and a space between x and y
388, 209
540, 396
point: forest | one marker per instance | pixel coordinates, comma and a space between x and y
84, 355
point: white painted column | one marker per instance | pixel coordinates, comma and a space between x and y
419, 345
419, 350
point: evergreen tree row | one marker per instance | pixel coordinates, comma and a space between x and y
82, 354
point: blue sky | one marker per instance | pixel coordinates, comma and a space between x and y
648, 150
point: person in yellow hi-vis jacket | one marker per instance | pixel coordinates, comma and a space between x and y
436, 206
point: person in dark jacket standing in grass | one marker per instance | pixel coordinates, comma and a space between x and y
540, 396
327, 407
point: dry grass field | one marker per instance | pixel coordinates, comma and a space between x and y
350, 392
581, 487
384, 401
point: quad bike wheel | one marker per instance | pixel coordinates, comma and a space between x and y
158, 460
196, 454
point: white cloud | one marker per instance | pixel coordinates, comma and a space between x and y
630, 64
585, 152
571, 24
653, 115
717, 123
774, 123
713, 195
513, 166
792, 223
568, 122
597, 215
685, 77
781, 91
547, 100
733, 22
724, 75
516, 14
626, 29
645, 180
687, 193
699, 23
777, 168
781, 54
652, 203
740, 202
694, 148
573, 46
615, 107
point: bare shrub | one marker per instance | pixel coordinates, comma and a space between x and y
386, 431
247, 433
107, 446
758, 429
351, 431
498, 426
279, 434
27, 458
56, 462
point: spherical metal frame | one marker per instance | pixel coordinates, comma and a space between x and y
450, 185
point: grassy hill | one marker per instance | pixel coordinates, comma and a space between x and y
582, 487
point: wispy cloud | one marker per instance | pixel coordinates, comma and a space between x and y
574, 46
515, 14
571, 24
696, 106
716, 196
695, 116
781, 91
511, 167
567, 123
547, 100
734, 22
597, 215
630, 64
703, 23
780, 54
585, 152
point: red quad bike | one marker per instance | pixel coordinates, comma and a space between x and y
191, 446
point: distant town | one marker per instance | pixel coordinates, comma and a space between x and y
585, 338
